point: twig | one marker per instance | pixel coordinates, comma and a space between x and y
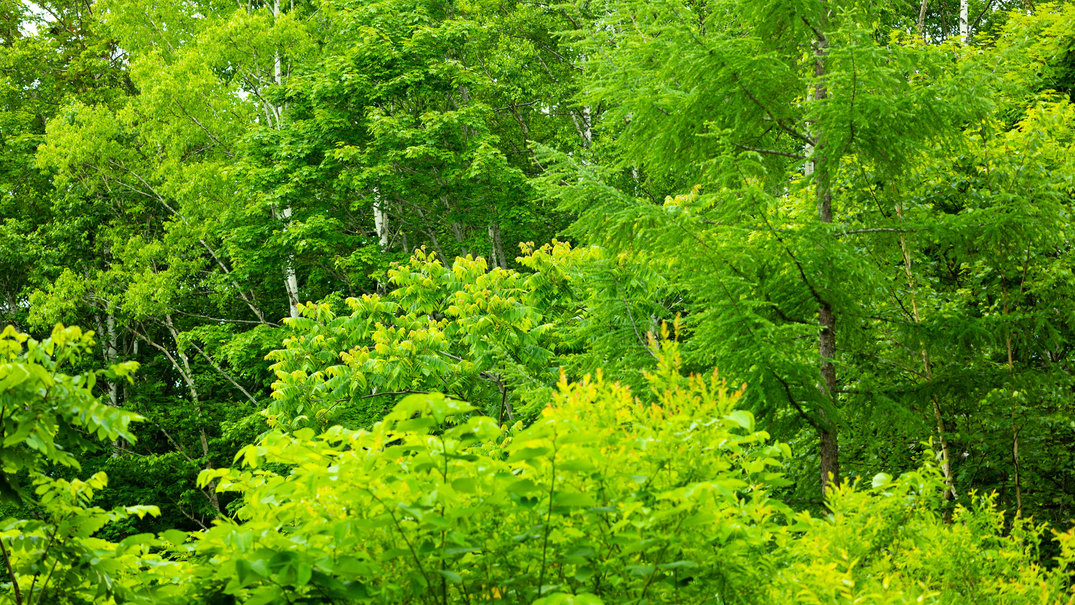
11, 572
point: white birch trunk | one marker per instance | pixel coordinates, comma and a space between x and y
922, 19
497, 246
587, 123
291, 280
964, 23
192, 387
111, 352
380, 220
584, 126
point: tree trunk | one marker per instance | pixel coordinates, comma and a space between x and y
497, 245
291, 280
927, 370
584, 126
829, 440
922, 19
111, 354
380, 220
192, 387
1015, 415
964, 22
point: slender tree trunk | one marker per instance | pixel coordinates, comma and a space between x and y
192, 387
964, 22
584, 126
927, 369
1015, 415
291, 280
922, 19
829, 440
380, 224
111, 354
497, 244
108, 332
380, 220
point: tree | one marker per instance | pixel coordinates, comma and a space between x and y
45, 419
767, 111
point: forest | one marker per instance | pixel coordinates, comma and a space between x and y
537, 301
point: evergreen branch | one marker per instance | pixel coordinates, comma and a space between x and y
820, 35
631, 318
795, 404
779, 123
802, 272
876, 230
771, 151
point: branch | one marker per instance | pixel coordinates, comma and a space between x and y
802, 273
224, 320
795, 404
777, 121
156, 196
11, 572
631, 317
186, 378
978, 19
216, 367
207, 131
876, 230
770, 151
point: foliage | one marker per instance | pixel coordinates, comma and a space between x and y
894, 541
849, 207
486, 336
809, 175
604, 494
48, 419
607, 498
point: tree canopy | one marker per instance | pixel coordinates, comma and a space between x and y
466, 301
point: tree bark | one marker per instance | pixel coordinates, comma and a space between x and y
380, 221
829, 439
111, 354
291, 280
182, 366
964, 22
497, 245
1015, 412
922, 19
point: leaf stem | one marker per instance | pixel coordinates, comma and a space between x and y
548, 521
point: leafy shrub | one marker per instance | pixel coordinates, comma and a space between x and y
608, 497
47, 418
628, 499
